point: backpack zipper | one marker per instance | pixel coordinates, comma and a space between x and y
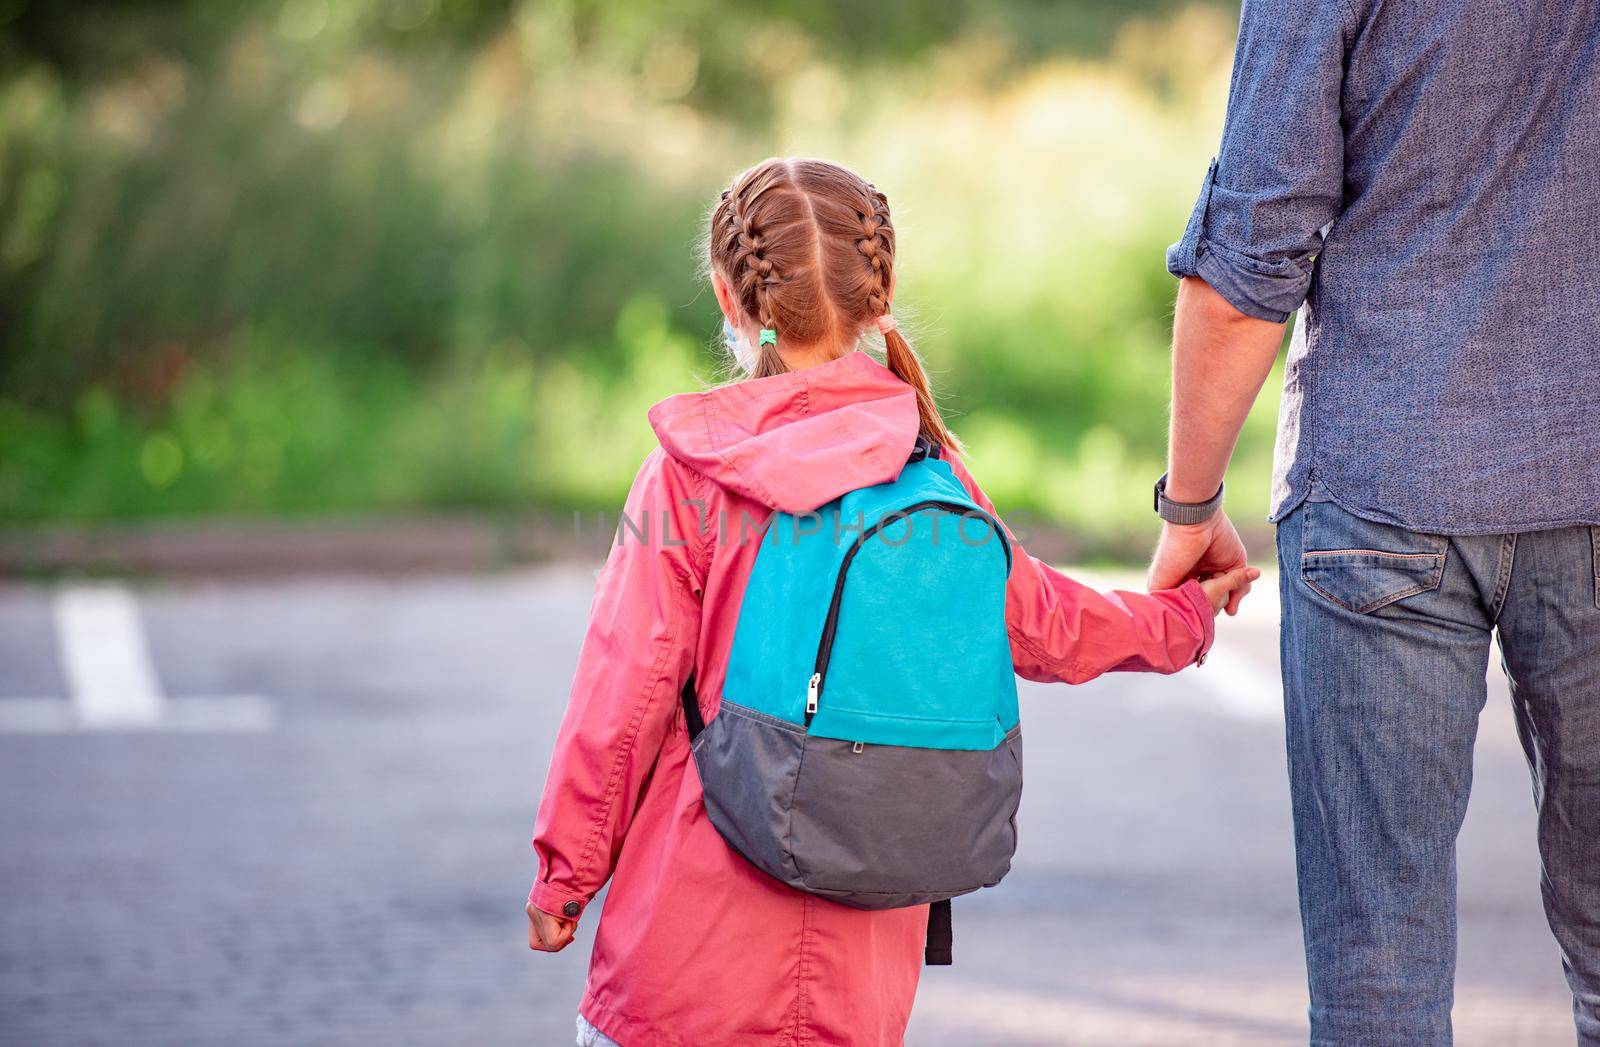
830, 624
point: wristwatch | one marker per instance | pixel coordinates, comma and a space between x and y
1185, 512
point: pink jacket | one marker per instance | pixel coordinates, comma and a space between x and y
696, 945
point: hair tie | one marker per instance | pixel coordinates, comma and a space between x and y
886, 323
768, 337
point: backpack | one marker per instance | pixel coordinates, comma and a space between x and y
868, 747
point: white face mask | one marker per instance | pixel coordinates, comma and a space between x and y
743, 353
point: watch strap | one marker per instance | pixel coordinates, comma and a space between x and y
1186, 512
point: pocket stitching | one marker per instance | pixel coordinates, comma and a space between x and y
1387, 599
1367, 552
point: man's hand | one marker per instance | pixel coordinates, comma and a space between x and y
1199, 551
548, 933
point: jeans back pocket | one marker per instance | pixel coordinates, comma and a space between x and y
1362, 565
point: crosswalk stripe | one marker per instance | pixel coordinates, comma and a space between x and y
223, 713
111, 680
105, 658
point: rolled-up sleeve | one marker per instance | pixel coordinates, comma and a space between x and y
1278, 180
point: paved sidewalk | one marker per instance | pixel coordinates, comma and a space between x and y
347, 863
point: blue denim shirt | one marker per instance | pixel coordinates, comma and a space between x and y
1422, 181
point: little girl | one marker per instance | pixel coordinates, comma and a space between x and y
698, 946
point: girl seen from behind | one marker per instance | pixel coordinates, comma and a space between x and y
806, 557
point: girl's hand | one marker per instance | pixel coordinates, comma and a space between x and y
548, 933
1219, 587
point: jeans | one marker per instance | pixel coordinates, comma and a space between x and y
1385, 650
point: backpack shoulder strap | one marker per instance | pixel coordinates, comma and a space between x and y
691, 709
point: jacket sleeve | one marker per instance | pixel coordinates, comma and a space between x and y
636, 655
1063, 630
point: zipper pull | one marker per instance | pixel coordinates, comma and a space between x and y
811, 695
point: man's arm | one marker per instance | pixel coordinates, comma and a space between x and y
1220, 358
1249, 253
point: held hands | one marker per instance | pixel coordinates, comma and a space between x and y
1220, 588
548, 933
1210, 552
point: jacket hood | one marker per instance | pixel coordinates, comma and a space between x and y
798, 440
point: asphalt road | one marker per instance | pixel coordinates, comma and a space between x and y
301, 815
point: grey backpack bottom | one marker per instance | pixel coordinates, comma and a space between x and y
871, 826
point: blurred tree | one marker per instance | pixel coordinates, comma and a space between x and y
286, 255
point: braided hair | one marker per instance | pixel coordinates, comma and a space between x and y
747, 262
807, 249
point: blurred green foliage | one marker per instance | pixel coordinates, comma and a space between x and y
312, 255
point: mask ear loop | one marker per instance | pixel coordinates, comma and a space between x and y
744, 354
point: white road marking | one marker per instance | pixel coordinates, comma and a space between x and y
219, 713
105, 658
111, 680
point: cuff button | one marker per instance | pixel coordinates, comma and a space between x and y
572, 909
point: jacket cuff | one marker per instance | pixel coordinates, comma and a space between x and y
557, 901
1208, 618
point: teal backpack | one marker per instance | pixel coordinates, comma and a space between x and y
867, 748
